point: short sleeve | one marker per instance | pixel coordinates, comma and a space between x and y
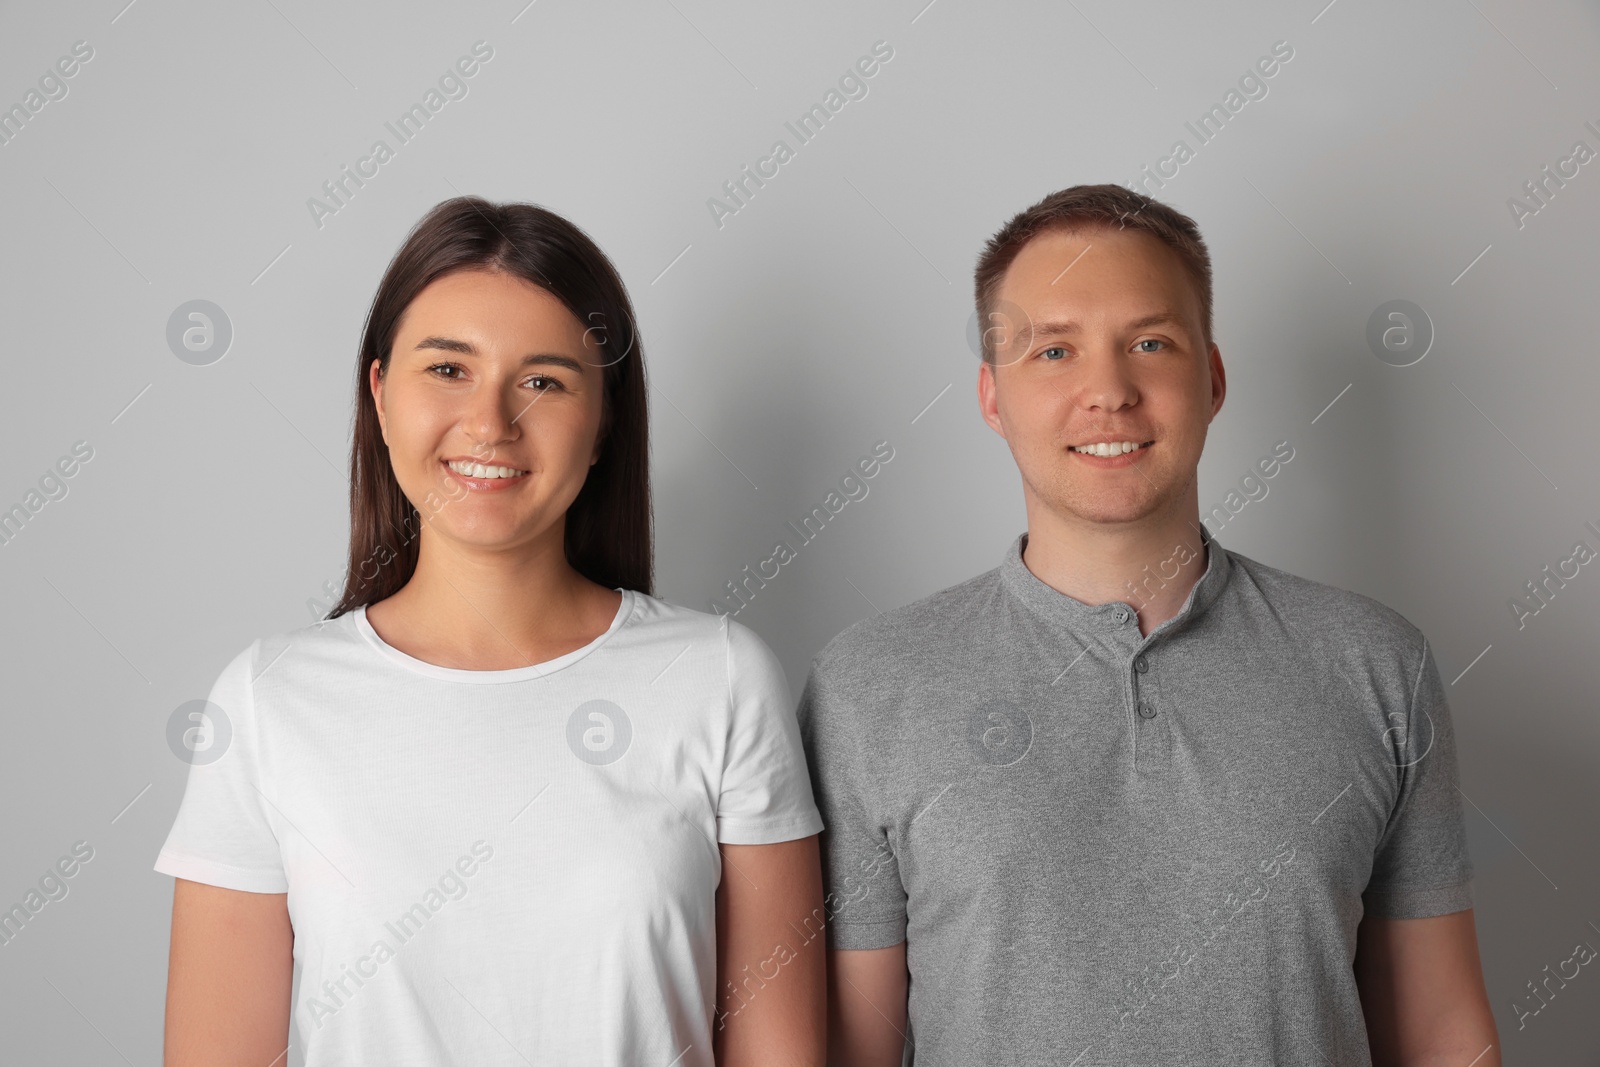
221, 835
766, 793
1422, 867
863, 895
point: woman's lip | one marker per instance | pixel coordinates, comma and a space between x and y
483, 485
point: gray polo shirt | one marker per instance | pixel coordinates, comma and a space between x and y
1108, 848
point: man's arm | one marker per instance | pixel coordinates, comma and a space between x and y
867, 1006
1422, 992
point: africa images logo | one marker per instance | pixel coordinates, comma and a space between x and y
599, 732
999, 733
198, 732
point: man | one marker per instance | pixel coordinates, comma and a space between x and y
1131, 798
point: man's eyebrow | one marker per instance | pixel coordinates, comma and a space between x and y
1063, 326
450, 344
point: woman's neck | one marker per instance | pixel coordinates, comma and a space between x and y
498, 610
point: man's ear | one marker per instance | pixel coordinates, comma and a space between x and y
1219, 380
375, 383
988, 398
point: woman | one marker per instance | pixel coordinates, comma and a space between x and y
503, 805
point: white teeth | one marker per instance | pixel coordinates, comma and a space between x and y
478, 470
1107, 448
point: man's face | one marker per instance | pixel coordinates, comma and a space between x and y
490, 370
1099, 343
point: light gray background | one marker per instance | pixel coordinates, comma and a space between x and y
827, 314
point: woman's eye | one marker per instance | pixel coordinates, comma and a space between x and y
1151, 341
540, 382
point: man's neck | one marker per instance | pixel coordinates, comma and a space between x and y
1151, 566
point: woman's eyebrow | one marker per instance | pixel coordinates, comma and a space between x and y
450, 344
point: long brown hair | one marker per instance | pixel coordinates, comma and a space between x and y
608, 537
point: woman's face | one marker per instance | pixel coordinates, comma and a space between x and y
491, 408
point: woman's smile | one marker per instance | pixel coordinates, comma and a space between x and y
482, 477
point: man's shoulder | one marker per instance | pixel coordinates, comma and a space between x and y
1326, 613
934, 625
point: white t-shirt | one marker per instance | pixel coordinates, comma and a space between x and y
498, 866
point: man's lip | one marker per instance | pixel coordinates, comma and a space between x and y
1143, 441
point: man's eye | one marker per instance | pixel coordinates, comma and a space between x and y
1151, 341
1057, 349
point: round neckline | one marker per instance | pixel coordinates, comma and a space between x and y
509, 674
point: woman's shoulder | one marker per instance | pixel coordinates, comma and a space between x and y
663, 620
315, 646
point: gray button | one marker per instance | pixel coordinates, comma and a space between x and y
1146, 710
1121, 615
1141, 664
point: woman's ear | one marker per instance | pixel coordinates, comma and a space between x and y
605, 429
375, 383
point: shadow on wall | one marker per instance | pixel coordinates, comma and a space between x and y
1534, 898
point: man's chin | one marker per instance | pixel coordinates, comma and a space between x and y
1108, 513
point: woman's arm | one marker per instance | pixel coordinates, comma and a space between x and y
771, 1006
228, 978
